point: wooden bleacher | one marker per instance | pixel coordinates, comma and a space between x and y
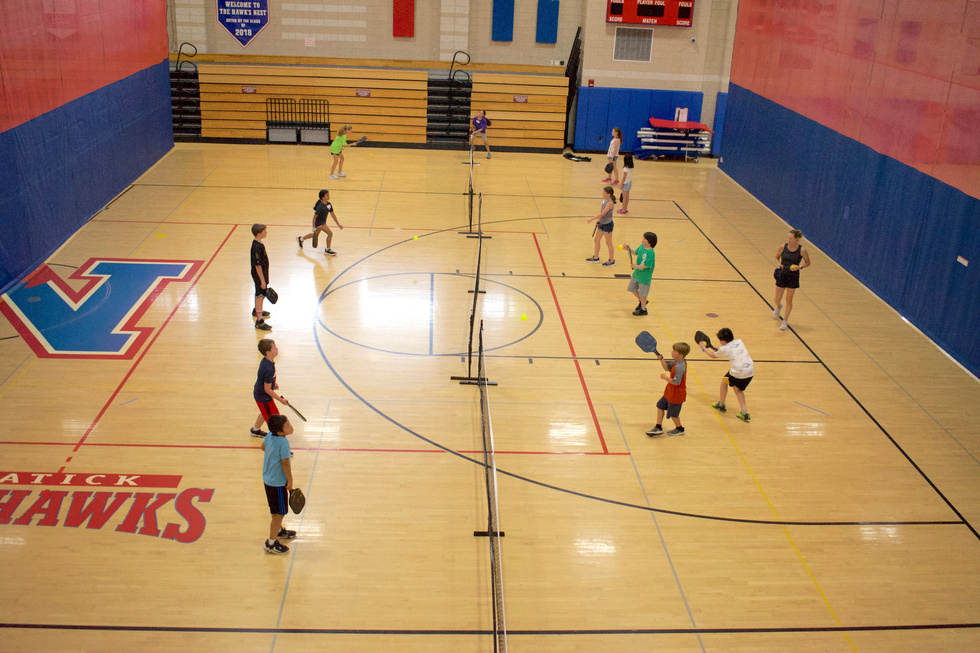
539, 122
394, 111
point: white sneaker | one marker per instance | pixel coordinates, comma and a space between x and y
783, 326
340, 174
775, 313
334, 177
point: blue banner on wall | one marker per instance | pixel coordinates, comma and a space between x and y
243, 19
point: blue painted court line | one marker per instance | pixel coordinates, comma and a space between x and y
656, 524
126, 402
432, 308
812, 408
299, 529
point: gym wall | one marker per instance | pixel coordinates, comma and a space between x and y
861, 127
85, 111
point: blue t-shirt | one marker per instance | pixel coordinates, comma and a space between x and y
267, 374
276, 451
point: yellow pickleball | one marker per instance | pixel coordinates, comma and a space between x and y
415, 237
620, 247
524, 318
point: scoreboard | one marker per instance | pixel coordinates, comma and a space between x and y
650, 12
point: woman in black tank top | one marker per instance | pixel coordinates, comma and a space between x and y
790, 259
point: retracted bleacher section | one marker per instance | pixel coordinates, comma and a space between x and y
385, 105
526, 111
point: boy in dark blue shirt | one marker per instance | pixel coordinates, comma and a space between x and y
266, 386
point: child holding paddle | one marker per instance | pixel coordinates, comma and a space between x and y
277, 474
604, 227
676, 391
646, 260
741, 372
266, 386
337, 150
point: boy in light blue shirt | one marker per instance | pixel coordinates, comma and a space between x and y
277, 474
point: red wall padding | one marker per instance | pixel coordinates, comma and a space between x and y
54, 52
904, 81
403, 22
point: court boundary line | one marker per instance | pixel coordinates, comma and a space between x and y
843, 386
477, 632
149, 345
571, 347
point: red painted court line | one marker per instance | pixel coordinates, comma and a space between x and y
233, 447
571, 347
149, 344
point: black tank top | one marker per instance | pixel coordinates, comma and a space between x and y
791, 258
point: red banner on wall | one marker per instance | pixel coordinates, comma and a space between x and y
403, 18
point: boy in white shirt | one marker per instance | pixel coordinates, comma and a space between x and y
741, 372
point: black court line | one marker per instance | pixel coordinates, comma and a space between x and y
603, 278
529, 632
570, 492
63, 265
637, 358
9, 337
401, 192
841, 384
128, 188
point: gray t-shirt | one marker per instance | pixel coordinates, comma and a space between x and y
606, 217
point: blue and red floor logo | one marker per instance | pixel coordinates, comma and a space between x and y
99, 320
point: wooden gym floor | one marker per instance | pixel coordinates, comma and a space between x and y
843, 517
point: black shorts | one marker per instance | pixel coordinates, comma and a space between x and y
741, 384
278, 499
259, 290
672, 410
786, 279
606, 228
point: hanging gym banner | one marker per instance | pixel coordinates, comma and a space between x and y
243, 19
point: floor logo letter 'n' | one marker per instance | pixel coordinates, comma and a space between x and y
100, 319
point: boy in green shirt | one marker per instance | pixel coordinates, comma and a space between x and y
643, 272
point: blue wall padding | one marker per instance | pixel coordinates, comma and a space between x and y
547, 21
719, 125
503, 20
60, 168
601, 109
897, 230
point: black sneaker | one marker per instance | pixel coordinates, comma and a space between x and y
263, 326
276, 548
299, 239
257, 433
608, 263
329, 252
639, 306
286, 535
594, 259
264, 313
656, 430
640, 311
678, 431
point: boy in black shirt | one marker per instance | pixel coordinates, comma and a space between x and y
260, 275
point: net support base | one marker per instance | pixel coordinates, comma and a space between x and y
487, 534
472, 380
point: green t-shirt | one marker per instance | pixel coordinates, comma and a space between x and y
338, 143
645, 257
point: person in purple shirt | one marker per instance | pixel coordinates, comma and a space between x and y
479, 128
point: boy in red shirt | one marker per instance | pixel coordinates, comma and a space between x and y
676, 391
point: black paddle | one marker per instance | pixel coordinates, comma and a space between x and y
702, 339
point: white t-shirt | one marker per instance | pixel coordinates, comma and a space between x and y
738, 356
613, 148
627, 175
